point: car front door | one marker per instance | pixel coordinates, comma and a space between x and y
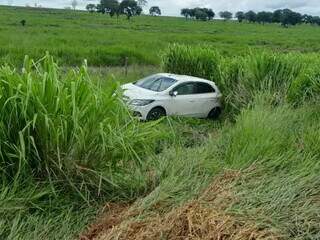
183, 103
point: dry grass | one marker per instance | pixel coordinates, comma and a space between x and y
203, 218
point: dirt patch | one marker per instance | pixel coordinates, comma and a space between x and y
203, 218
112, 215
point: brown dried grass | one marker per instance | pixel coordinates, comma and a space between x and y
204, 218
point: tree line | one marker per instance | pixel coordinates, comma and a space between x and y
283, 16
125, 7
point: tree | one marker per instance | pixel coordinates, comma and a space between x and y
315, 20
211, 14
240, 16
185, 12
251, 16
192, 13
109, 6
155, 11
130, 8
201, 15
277, 16
290, 18
91, 7
225, 15
307, 18
264, 17
74, 4
23, 22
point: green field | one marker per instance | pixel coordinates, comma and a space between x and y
75, 164
74, 36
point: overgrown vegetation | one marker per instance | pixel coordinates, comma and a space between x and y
69, 149
265, 183
287, 77
66, 143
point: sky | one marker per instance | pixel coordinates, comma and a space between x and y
172, 7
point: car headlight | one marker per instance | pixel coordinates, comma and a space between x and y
141, 102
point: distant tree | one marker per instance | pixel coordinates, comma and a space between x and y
264, 17
23, 22
251, 16
240, 16
315, 20
130, 8
155, 11
185, 12
211, 14
198, 13
91, 7
193, 13
290, 18
277, 16
226, 15
307, 18
108, 6
201, 15
74, 4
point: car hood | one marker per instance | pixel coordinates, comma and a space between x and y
134, 92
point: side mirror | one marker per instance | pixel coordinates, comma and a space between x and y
173, 93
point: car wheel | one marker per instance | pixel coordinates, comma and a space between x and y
156, 113
215, 113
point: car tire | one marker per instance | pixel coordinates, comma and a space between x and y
215, 113
156, 113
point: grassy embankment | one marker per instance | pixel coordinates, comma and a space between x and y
68, 146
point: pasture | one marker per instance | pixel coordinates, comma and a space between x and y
73, 36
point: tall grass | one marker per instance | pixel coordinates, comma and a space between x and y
289, 77
264, 170
63, 129
65, 141
201, 61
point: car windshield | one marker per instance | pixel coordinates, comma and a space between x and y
156, 83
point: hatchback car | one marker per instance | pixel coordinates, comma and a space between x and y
168, 94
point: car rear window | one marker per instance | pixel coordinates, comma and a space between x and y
204, 88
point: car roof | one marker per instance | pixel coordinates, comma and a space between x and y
184, 78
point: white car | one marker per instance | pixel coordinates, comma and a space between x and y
168, 94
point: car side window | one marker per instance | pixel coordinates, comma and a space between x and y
204, 88
186, 89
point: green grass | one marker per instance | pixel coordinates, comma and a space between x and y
73, 36
68, 145
275, 150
